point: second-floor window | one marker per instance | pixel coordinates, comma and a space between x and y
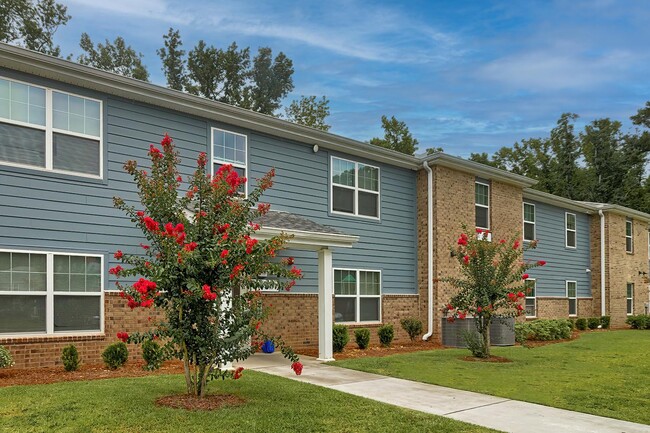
482, 205
50, 130
230, 148
355, 188
570, 223
529, 222
629, 239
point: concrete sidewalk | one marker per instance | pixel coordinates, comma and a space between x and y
494, 412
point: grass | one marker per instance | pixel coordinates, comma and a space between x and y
602, 373
273, 405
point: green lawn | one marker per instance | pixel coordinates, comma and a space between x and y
603, 373
273, 405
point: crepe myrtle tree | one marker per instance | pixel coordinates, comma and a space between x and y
491, 283
201, 253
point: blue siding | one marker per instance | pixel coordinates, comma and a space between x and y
562, 263
47, 211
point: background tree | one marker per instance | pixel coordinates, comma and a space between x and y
173, 61
396, 136
196, 265
115, 57
309, 111
432, 150
32, 24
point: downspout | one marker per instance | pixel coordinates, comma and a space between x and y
429, 251
602, 262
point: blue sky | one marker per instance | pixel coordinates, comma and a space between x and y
469, 76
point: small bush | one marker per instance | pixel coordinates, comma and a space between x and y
386, 335
153, 355
362, 337
581, 324
543, 330
593, 322
475, 344
340, 337
641, 321
412, 326
605, 321
6, 360
115, 355
572, 323
70, 358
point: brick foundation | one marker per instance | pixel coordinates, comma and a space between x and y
558, 308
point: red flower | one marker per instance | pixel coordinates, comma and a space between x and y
143, 286
450, 307
525, 277
466, 260
541, 263
180, 238
238, 373
166, 141
520, 294
479, 231
462, 241
191, 246
263, 208
236, 270
118, 254
295, 272
223, 228
208, 294
290, 261
502, 241
116, 270
123, 336
512, 297
519, 307
132, 303
179, 179
147, 303
515, 245
479, 309
151, 225
201, 159
462, 315
145, 247
224, 254
297, 367
140, 213
154, 151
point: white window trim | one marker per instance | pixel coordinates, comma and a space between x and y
566, 285
629, 298
234, 164
49, 295
567, 230
358, 297
648, 244
534, 223
356, 189
50, 130
631, 236
534, 298
482, 205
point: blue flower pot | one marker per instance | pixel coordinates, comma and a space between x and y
268, 347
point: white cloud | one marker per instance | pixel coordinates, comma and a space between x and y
159, 10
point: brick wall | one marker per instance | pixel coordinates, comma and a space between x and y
558, 308
294, 316
46, 351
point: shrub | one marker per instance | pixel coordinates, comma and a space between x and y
605, 321
115, 355
412, 326
362, 337
70, 358
543, 330
152, 354
386, 335
572, 323
641, 321
6, 360
340, 337
581, 324
593, 322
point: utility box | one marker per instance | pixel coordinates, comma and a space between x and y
502, 331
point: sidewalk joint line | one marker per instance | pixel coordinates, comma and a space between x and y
477, 407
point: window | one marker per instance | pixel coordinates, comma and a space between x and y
530, 286
572, 294
629, 242
570, 223
630, 299
357, 295
355, 188
47, 293
482, 205
230, 148
49, 130
529, 222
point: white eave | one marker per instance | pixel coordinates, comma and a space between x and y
620, 210
556, 200
309, 240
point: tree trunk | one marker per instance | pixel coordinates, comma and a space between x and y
485, 334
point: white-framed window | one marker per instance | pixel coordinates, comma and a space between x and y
47, 129
354, 188
629, 236
572, 294
629, 295
482, 205
570, 238
529, 222
46, 293
230, 148
357, 295
530, 291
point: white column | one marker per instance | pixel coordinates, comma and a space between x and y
325, 317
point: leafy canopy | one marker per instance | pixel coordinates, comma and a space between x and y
396, 136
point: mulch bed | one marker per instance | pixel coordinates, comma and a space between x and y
191, 402
36, 376
492, 358
352, 352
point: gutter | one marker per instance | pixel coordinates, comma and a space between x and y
429, 251
602, 262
